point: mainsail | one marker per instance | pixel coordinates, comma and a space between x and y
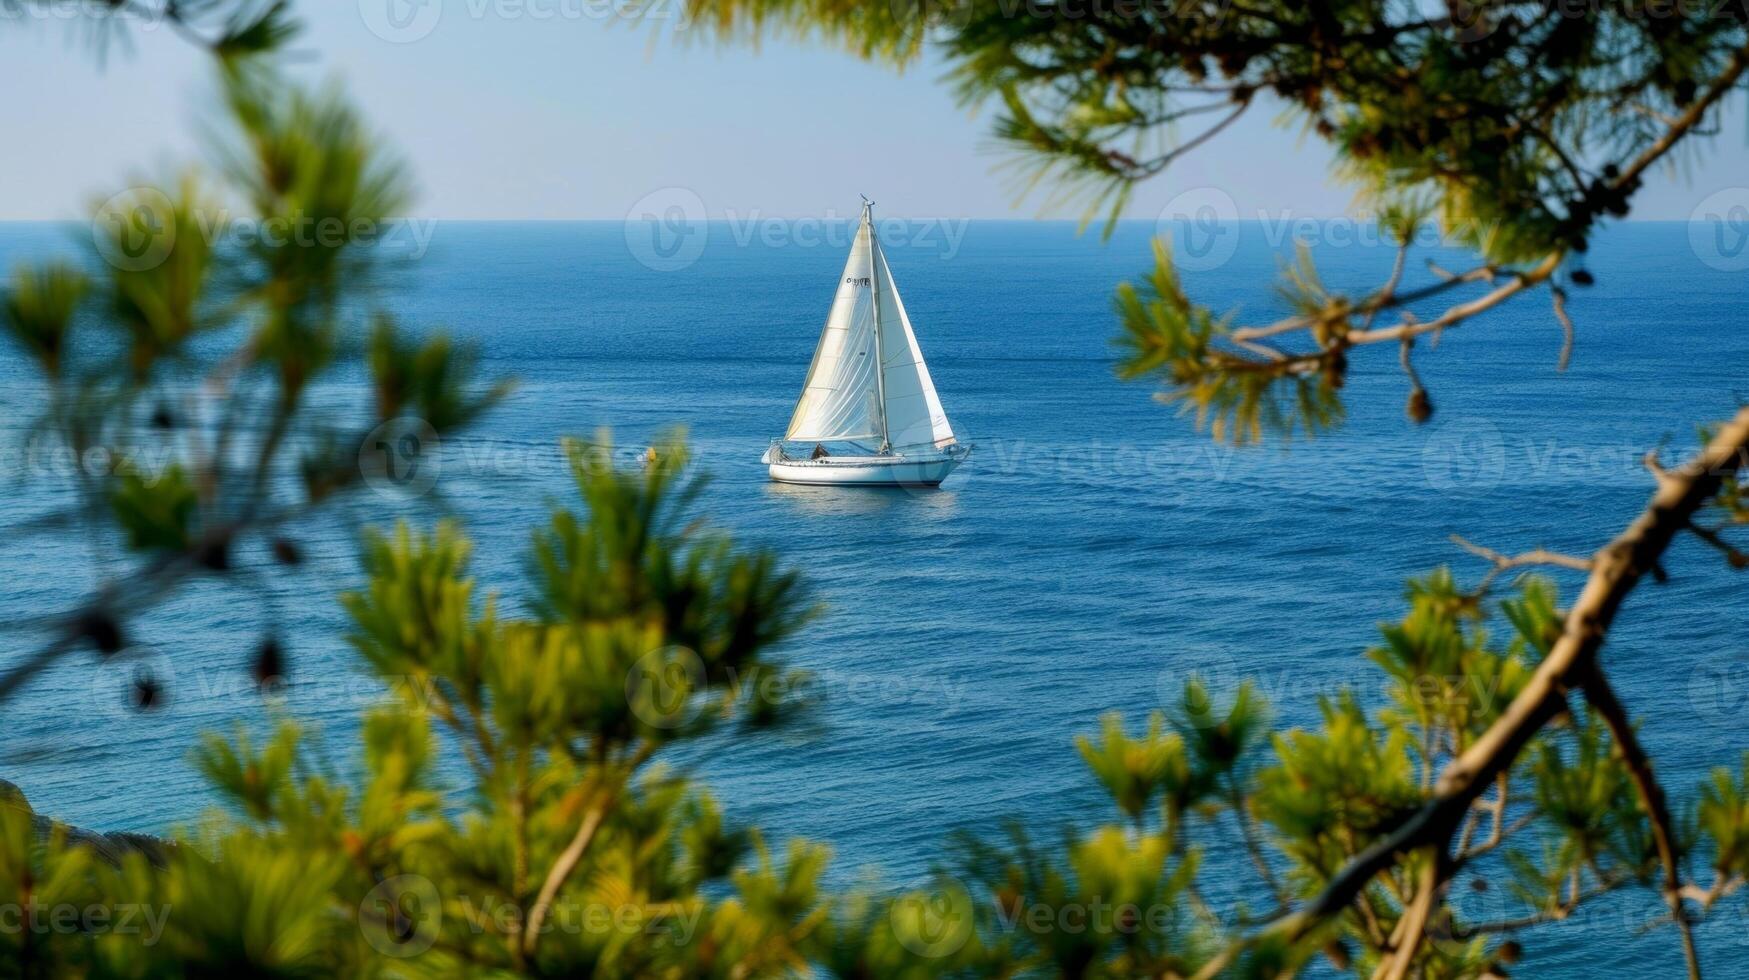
868, 379
913, 410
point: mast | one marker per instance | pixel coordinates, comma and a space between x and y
874, 286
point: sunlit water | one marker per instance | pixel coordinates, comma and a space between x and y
1094, 550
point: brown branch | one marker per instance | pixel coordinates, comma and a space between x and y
1165, 160
1654, 467
161, 574
562, 868
1601, 696
573, 852
1499, 832
1556, 914
1252, 845
1560, 301
1409, 326
1415, 918
1536, 557
1615, 572
1724, 883
1387, 294
1733, 554
1689, 118
1379, 301
1408, 364
1499, 836
1534, 276
1651, 113
1539, 556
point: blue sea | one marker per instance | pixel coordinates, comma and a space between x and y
1094, 551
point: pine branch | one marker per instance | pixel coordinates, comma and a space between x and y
1616, 570
1600, 695
1533, 558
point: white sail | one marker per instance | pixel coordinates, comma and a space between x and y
841, 397
868, 379
913, 410
868, 383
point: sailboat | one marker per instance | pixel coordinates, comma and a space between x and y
869, 414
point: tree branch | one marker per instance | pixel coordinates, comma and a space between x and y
573, 852
1539, 556
1615, 572
1689, 118
1733, 554
562, 868
1560, 302
1560, 912
1416, 917
1534, 276
1601, 696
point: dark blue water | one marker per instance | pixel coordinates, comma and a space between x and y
1093, 551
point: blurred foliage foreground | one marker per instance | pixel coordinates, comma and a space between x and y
554, 842
565, 850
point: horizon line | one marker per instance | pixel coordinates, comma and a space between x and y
1630, 219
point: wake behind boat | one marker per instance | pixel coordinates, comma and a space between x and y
868, 414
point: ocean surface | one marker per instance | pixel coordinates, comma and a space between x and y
1094, 551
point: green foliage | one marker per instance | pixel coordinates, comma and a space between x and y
1444, 679
1520, 128
1724, 819
417, 616
255, 909
563, 848
161, 257
1588, 799
253, 30
155, 511
1336, 790
1109, 903
721, 605
1219, 740
315, 176
564, 851
1533, 614
427, 379
39, 310
181, 445
1495, 113
1237, 396
256, 782
49, 874
1134, 771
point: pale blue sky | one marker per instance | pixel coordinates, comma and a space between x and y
506, 114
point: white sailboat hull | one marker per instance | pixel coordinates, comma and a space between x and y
868, 386
865, 471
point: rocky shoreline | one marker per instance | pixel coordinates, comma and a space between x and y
111, 847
